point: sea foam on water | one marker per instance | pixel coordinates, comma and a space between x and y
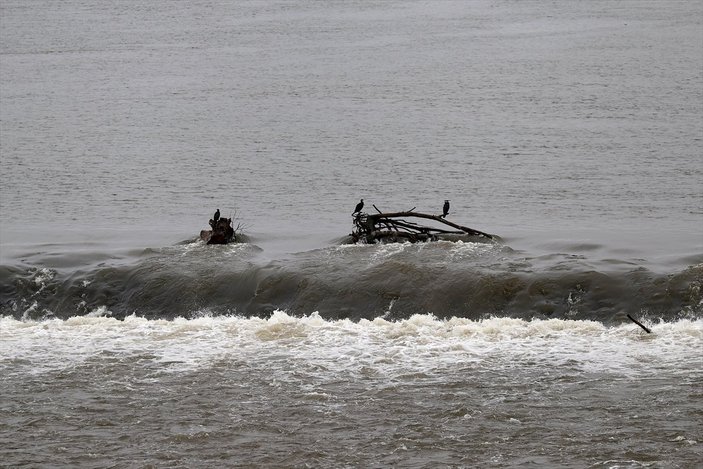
198, 341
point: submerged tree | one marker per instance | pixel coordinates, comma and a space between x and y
222, 231
398, 227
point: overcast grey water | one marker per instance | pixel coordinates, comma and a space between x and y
572, 130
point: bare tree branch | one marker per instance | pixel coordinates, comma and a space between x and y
396, 226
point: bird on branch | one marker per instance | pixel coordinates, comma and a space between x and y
358, 208
445, 209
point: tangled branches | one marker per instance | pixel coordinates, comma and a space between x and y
396, 227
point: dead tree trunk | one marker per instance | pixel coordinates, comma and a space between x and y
221, 233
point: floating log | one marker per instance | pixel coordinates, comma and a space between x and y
639, 324
221, 233
398, 227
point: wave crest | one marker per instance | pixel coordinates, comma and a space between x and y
364, 282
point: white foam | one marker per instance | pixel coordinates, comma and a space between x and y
462, 250
421, 343
385, 251
44, 275
99, 312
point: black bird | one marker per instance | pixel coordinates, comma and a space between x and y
216, 216
359, 206
445, 209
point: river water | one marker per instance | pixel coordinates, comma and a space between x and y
572, 130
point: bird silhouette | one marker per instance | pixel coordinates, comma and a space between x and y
216, 216
359, 206
445, 209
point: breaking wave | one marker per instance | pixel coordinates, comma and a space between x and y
394, 281
417, 342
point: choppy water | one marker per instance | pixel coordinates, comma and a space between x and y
470, 280
573, 130
287, 391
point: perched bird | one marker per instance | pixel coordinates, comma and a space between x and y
359, 206
216, 216
445, 209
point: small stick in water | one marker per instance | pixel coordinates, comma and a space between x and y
639, 323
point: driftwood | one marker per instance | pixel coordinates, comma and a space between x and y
395, 227
639, 324
221, 233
